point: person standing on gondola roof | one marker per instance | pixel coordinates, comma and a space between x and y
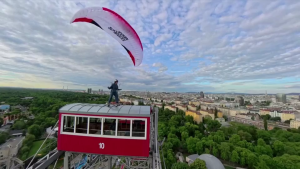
114, 92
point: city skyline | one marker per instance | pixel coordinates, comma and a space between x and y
189, 46
143, 91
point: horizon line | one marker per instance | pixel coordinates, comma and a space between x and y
290, 93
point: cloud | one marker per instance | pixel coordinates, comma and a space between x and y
188, 45
293, 86
162, 38
160, 66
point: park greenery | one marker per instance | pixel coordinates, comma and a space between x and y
44, 107
237, 145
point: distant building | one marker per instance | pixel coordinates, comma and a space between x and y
148, 94
8, 152
201, 94
281, 97
295, 123
240, 100
197, 116
21, 108
10, 149
288, 115
172, 108
89, 90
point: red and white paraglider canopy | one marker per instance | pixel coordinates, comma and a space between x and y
115, 26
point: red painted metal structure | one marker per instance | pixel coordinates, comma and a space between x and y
84, 128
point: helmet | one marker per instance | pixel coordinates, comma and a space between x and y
116, 80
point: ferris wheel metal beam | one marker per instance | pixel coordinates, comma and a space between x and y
156, 155
46, 160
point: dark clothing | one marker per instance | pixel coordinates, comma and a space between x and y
114, 92
114, 87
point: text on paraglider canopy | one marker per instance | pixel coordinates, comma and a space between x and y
119, 34
101, 145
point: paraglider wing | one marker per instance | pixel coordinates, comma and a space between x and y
116, 26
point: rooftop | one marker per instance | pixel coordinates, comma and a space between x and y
13, 142
197, 112
102, 109
170, 106
193, 157
211, 161
4, 107
288, 112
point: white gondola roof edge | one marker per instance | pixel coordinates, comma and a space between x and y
102, 109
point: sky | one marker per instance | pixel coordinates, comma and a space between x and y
248, 46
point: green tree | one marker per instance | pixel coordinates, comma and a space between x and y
215, 151
225, 151
163, 129
234, 157
262, 165
170, 158
287, 161
35, 130
199, 147
219, 136
172, 138
189, 119
24, 150
276, 119
198, 134
23, 132
252, 160
16, 111
268, 160
261, 142
184, 135
191, 144
265, 135
3, 137
245, 135
265, 123
18, 125
234, 139
216, 113
141, 103
28, 140
198, 164
278, 148
179, 165
213, 125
